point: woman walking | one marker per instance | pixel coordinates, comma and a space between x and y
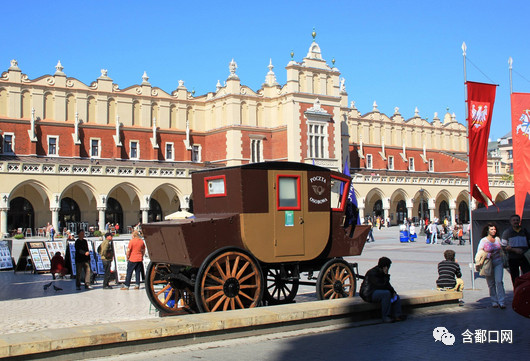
491, 246
135, 256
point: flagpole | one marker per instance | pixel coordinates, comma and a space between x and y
464, 49
510, 62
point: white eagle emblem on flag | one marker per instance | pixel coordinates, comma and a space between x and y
479, 113
524, 127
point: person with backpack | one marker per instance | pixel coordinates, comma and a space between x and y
106, 252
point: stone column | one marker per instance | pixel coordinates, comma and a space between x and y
3, 222
145, 215
101, 218
452, 207
55, 220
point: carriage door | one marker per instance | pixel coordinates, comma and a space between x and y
289, 213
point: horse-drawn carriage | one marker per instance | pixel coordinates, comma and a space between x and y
256, 229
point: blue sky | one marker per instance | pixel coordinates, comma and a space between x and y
405, 54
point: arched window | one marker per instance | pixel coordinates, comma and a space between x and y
26, 104
91, 110
243, 115
444, 210
20, 214
173, 117
3, 102
70, 107
463, 212
401, 211
136, 113
111, 111
48, 106
69, 212
114, 212
259, 115
378, 208
155, 211
189, 117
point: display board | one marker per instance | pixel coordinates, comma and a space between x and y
100, 269
54, 247
71, 252
6, 262
120, 256
40, 261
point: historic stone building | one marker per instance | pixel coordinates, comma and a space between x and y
73, 153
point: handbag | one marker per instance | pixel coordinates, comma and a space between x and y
487, 268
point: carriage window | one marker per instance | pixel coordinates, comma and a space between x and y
215, 186
288, 192
339, 192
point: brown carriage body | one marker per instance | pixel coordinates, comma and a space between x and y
247, 215
255, 229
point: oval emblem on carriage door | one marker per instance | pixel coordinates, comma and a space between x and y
319, 185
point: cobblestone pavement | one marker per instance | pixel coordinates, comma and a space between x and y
26, 306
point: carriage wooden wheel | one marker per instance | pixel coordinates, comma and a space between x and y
166, 294
336, 280
278, 289
228, 280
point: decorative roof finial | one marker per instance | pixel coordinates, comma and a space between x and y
333, 61
416, 112
145, 78
314, 34
59, 68
396, 110
218, 86
374, 109
233, 67
292, 55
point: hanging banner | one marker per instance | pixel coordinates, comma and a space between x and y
521, 148
480, 100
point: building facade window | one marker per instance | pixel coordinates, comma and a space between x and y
431, 165
196, 153
411, 164
256, 150
391, 162
9, 143
53, 145
510, 154
497, 166
317, 140
169, 151
134, 150
95, 147
369, 161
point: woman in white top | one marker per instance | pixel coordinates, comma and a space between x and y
491, 244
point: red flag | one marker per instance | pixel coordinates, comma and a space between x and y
521, 148
480, 100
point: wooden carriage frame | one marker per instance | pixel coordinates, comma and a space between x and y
256, 229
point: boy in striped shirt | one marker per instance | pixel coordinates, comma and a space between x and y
449, 274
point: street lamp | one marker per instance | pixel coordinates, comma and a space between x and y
422, 224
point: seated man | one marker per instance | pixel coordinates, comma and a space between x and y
449, 275
376, 288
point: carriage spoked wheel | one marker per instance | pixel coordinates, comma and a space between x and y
336, 280
278, 290
168, 295
227, 280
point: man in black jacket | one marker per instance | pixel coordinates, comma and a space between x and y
376, 288
82, 261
